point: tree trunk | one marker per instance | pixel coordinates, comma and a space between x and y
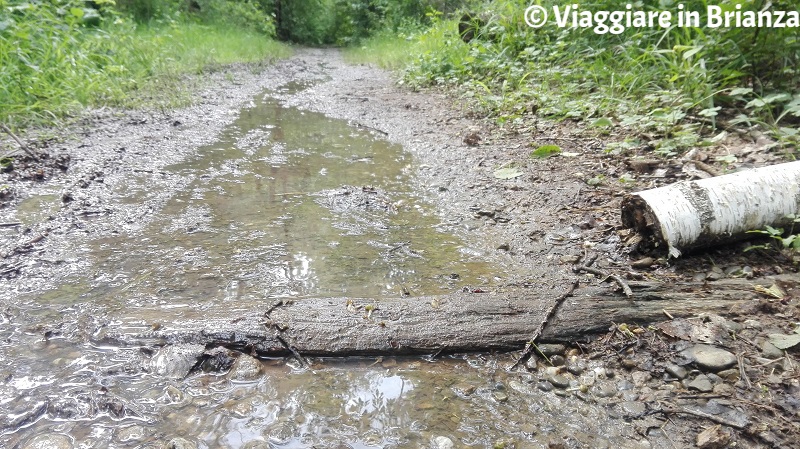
459, 322
700, 213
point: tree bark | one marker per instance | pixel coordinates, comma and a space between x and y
461, 322
701, 213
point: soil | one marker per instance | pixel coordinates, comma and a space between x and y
558, 213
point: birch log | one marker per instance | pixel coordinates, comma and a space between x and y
700, 213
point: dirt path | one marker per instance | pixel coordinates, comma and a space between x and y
106, 178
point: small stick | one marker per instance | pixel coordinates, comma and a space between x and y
669, 315
10, 224
624, 285
294, 352
526, 353
19, 142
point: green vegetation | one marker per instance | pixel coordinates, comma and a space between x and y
671, 86
58, 56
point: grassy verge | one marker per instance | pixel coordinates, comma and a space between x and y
672, 88
52, 63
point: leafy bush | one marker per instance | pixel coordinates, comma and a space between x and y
58, 56
668, 82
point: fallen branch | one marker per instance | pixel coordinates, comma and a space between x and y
529, 347
22, 146
700, 213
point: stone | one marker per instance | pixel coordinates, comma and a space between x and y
675, 371
544, 386
49, 441
442, 442
245, 368
625, 385
713, 438
558, 381
175, 361
557, 360
179, 443
730, 375
604, 390
464, 389
550, 349
632, 409
734, 271
576, 368
724, 389
769, 351
500, 396
702, 384
640, 378
710, 358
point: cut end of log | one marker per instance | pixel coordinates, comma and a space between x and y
697, 214
638, 215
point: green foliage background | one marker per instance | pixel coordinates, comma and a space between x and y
671, 84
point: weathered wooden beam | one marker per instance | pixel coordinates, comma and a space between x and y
461, 322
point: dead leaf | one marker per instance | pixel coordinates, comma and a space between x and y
773, 291
507, 173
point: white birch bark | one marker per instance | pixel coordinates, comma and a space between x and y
700, 213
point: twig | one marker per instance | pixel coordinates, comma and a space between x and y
624, 285
19, 142
529, 347
707, 168
292, 349
371, 127
742, 372
698, 413
10, 224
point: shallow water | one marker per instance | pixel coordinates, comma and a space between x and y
287, 203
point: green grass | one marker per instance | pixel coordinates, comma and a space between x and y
52, 66
396, 51
670, 86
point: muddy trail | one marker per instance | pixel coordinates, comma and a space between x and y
312, 256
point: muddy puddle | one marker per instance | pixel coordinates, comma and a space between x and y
287, 203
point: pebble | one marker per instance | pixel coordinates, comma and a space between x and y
701, 383
724, 389
640, 378
625, 385
550, 349
604, 390
747, 271
464, 389
731, 375
768, 350
713, 438
715, 274
699, 277
675, 371
544, 386
710, 358
557, 360
643, 263
558, 381
49, 441
179, 443
500, 396
575, 368
245, 368
442, 442
628, 364
734, 271
633, 408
